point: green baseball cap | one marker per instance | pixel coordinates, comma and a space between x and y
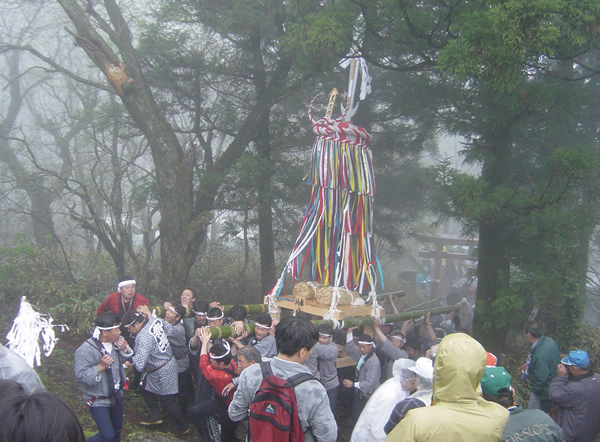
494, 378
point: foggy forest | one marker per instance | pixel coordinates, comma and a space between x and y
170, 141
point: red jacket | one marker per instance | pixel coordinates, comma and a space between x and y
111, 303
218, 378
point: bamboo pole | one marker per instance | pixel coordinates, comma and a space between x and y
189, 312
368, 320
229, 330
251, 309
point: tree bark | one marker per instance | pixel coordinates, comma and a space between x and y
493, 269
40, 199
264, 177
185, 215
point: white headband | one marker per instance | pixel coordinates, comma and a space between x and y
324, 335
173, 310
124, 283
227, 347
365, 343
199, 313
96, 333
216, 319
256, 324
399, 338
137, 315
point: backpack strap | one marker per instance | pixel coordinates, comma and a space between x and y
299, 378
265, 367
295, 380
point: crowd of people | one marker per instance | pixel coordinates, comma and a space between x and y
415, 380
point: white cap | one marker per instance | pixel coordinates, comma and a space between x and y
423, 367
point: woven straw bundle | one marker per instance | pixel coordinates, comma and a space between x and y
306, 290
324, 295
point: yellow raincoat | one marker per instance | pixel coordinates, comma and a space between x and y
458, 412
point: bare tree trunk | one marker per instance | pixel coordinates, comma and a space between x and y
264, 177
493, 269
40, 199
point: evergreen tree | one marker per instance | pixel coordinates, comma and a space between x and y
499, 73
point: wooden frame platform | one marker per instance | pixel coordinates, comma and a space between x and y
312, 307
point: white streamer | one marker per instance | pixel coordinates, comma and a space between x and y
28, 330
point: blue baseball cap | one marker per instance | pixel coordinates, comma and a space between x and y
577, 358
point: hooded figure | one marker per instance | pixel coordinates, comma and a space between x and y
423, 371
14, 367
458, 412
376, 413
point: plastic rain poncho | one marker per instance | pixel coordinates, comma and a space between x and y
376, 413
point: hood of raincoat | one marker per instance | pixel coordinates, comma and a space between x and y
400, 369
458, 369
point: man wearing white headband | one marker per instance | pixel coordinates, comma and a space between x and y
368, 371
179, 348
327, 352
214, 318
153, 355
99, 371
219, 369
263, 340
390, 349
123, 300
199, 308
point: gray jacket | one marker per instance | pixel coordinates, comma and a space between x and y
266, 346
313, 404
92, 383
313, 363
327, 355
579, 402
392, 353
370, 372
179, 347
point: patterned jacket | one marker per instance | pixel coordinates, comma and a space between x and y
152, 354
